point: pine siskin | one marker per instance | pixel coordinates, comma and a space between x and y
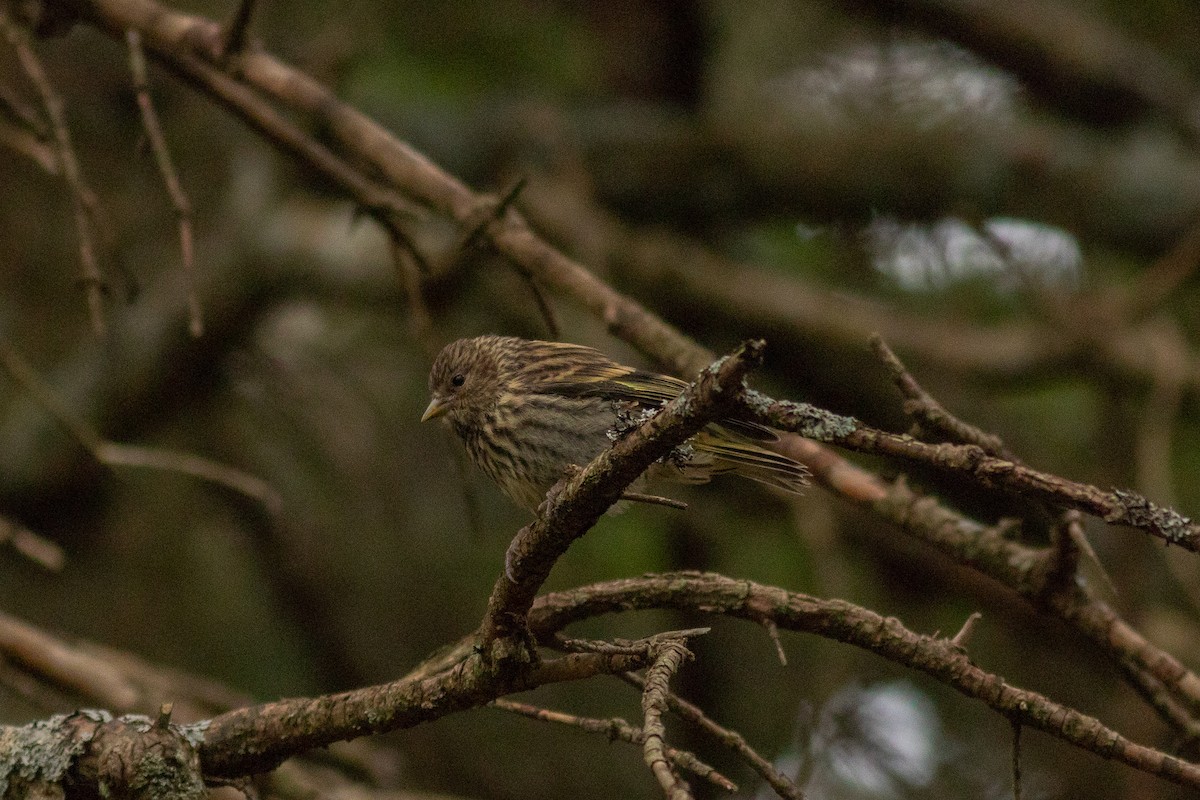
527, 410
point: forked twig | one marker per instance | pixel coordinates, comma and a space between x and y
931, 414
731, 739
116, 454
617, 728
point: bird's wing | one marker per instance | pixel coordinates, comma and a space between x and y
572, 370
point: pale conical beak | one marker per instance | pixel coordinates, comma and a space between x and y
437, 407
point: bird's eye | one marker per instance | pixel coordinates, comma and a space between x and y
458, 380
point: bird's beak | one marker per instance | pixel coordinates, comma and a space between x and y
437, 406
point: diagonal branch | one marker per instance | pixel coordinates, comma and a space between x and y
37, 549
931, 415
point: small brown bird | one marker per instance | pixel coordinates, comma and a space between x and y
527, 410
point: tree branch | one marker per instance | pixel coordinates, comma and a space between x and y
885, 636
1117, 507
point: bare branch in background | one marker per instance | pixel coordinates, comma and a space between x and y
37, 549
114, 454
22, 141
166, 168
85, 222
236, 33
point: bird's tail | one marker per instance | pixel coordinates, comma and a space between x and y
732, 452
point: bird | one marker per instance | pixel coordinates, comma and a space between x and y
528, 411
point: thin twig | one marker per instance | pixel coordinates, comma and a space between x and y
166, 168
931, 414
93, 281
773, 631
543, 305
235, 34
654, 500
408, 270
490, 211
22, 112
617, 728
1073, 525
37, 549
539, 297
961, 638
127, 455
22, 141
1060, 567
487, 209
1159, 696
116, 454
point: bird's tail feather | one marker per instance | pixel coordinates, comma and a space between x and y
731, 453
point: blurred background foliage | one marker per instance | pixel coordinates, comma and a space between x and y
806, 171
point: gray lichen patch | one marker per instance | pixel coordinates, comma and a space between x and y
38, 753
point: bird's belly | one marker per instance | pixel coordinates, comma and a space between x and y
529, 448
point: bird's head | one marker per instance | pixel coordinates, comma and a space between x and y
465, 380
